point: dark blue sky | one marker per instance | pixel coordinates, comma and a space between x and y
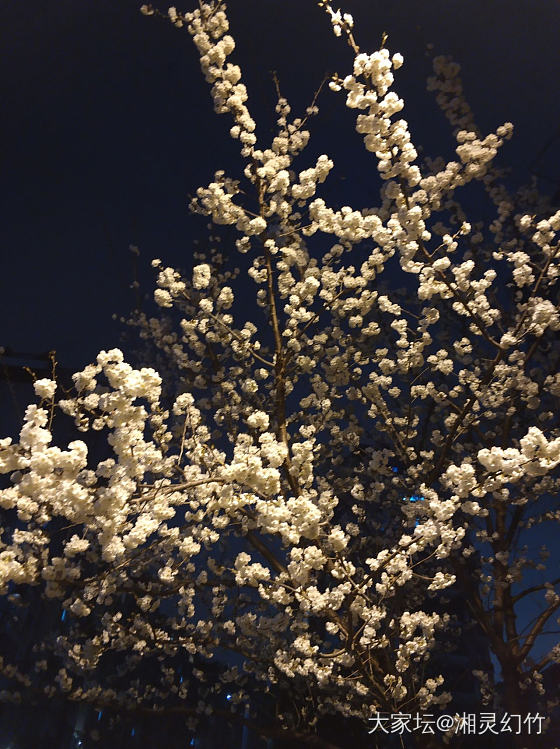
108, 125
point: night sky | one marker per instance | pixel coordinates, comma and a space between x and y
108, 126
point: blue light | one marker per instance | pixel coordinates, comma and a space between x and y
99, 714
192, 742
63, 617
181, 680
413, 498
394, 469
228, 697
132, 732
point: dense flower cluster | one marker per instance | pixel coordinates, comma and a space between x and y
253, 489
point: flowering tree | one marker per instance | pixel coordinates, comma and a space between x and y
292, 493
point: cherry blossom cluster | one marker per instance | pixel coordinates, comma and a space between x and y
305, 488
